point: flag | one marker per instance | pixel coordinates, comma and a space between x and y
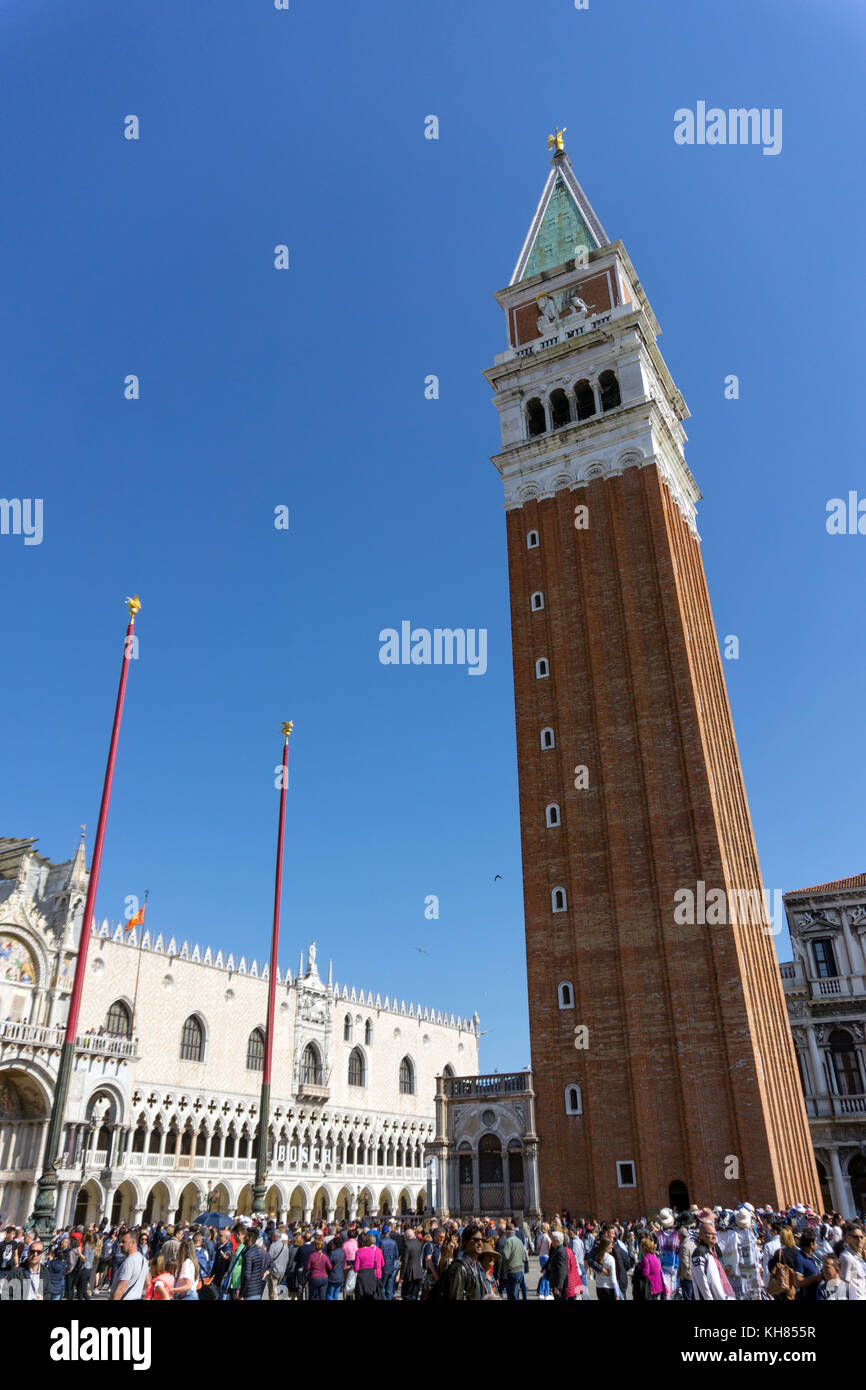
138, 919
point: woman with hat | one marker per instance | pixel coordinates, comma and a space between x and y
668, 1251
489, 1260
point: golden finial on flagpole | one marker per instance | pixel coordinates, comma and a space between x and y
133, 604
556, 139
286, 729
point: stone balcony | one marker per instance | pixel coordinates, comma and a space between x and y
795, 981
497, 1084
22, 1037
835, 1107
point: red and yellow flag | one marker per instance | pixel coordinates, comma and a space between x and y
137, 920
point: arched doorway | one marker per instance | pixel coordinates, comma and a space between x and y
365, 1203
189, 1203
245, 1201
298, 1203
124, 1204
517, 1192
857, 1176
678, 1196
87, 1205
490, 1174
421, 1204
320, 1205
156, 1206
274, 1201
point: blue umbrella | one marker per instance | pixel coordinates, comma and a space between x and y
213, 1218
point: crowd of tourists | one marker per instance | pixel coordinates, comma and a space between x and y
702, 1254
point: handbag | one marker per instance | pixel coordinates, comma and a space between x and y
783, 1281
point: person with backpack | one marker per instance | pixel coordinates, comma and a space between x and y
278, 1259
463, 1281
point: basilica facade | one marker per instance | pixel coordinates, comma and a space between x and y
163, 1108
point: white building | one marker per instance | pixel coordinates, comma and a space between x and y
825, 990
163, 1104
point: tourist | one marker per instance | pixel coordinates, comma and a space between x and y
708, 1277
488, 1261
335, 1274
465, 1282
852, 1259
513, 1259
32, 1275
369, 1266
278, 1260
253, 1271
648, 1281
602, 1265
833, 1288
783, 1268
411, 1268
131, 1273
160, 1282
318, 1270
185, 1270
85, 1266
684, 1264
391, 1258
557, 1268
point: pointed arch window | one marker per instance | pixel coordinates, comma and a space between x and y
548, 738
368, 1032
552, 816
559, 900
311, 1066
118, 1020
256, 1050
565, 994
357, 1070
192, 1040
407, 1077
536, 603
347, 1028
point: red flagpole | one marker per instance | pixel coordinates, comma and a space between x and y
44, 1209
264, 1115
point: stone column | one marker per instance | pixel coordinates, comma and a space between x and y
819, 1081
476, 1183
840, 1188
137, 1214
506, 1183
532, 1195
854, 948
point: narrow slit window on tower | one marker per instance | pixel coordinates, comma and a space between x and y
541, 668
574, 1101
548, 738
537, 601
551, 815
532, 540
585, 399
560, 413
565, 995
536, 420
610, 397
559, 900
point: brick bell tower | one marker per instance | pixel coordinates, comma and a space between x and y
661, 1051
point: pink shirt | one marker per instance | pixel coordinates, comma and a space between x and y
370, 1257
652, 1270
350, 1250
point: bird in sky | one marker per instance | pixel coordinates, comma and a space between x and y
486, 1030
496, 876
421, 949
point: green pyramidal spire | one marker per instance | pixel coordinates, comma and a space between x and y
564, 220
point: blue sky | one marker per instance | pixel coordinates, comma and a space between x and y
306, 388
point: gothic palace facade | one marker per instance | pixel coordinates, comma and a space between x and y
162, 1108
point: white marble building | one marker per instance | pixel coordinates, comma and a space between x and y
825, 990
163, 1102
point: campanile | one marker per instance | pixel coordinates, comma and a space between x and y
663, 1062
